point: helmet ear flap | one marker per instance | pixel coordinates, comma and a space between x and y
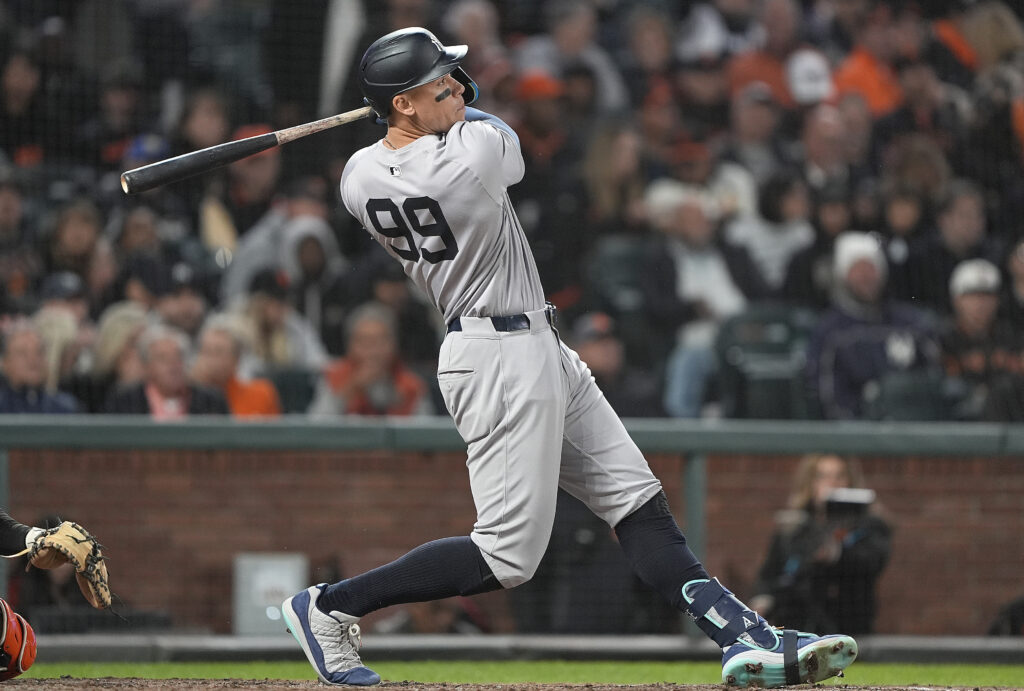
382, 119
472, 90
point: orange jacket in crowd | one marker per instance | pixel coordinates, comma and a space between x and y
256, 397
865, 74
409, 390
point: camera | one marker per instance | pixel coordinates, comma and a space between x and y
848, 503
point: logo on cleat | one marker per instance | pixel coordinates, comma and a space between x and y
749, 624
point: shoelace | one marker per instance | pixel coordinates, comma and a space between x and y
341, 643
350, 640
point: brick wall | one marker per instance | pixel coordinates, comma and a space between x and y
171, 521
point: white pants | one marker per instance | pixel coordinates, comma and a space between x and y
534, 420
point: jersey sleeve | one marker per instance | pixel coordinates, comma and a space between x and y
491, 154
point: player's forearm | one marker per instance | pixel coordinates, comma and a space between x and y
476, 115
12, 534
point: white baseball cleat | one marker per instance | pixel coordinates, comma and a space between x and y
331, 641
799, 658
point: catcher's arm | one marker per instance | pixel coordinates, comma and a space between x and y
70, 543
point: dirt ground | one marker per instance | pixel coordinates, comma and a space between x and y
269, 684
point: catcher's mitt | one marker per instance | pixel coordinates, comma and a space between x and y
71, 543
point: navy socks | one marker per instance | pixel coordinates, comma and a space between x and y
657, 551
439, 569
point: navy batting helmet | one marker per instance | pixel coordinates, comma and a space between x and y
405, 59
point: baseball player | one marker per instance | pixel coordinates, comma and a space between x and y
46, 548
433, 192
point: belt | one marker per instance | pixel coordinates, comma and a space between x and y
514, 322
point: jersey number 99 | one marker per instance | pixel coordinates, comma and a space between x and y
402, 228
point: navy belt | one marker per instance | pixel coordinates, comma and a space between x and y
514, 322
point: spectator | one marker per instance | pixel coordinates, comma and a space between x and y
702, 86
548, 200
631, 392
962, 234
65, 341
282, 339
65, 291
261, 246
23, 386
143, 279
222, 345
726, 186
183, 304
1010, 619
613, 177
1012, 303
21, 267
916, 161
693, 281
570, 38
139, 233
864, 335
318, 272
753, 140
648, 52
476, 23
770, 62
980, 350
26, 124
253, 184
660, 121
720, 27
205, 121
868, 67
165, 393
994, 151
781, 229
371, 379
937, 34
827, 553
74, 238
904, 218
809, 277
418, 328
983, 34
859, 127
103, 139
113, 355
930, 107
823, 153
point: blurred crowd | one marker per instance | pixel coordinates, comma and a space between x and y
742, 208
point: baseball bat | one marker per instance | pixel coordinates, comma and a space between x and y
186, 165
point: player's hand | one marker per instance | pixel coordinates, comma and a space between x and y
70, 543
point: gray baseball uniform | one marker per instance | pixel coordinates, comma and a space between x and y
527, 407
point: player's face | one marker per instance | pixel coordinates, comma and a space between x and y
438, 104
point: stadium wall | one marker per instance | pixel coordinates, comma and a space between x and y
172, 514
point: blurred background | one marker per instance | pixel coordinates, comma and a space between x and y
799, 211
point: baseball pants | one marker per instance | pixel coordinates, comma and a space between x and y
534, 420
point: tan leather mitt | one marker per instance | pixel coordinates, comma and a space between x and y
71, 543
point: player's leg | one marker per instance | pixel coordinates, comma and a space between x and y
603, 467
510, 416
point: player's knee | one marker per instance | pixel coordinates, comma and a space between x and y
519, 567
521, 575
